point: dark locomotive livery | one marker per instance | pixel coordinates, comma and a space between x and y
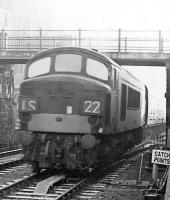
78, 109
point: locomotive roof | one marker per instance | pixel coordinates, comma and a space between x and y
84, 50
78, 49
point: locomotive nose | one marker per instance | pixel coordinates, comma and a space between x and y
61, 82
60, 93
63, 103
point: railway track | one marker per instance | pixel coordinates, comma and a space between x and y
11, 152
36, 187
98, 189
5, 171
65, 187
46, 186
11, 160
115, 182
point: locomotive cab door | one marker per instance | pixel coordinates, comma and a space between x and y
114, 99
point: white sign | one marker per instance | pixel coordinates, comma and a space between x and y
160, 157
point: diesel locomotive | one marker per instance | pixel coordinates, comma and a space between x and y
78, 109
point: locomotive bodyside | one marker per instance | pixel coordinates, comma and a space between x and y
132, 100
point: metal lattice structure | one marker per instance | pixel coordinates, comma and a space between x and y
6, 106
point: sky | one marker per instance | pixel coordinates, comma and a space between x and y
94, 14
153, 77
145, 15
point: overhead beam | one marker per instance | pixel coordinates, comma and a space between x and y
139, 59
15, 57
10, 60
132, 59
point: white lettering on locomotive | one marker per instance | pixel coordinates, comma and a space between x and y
32, 104
92, 107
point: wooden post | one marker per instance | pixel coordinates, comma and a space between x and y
155, 173
140, 171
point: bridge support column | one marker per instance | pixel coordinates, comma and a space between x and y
168, 104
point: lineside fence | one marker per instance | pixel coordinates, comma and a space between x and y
121, 41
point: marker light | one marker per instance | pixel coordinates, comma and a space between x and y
69, 110
18, 125
100, 130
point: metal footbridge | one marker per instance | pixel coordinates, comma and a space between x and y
149, 48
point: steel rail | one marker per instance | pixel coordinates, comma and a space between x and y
11, 152
59, 192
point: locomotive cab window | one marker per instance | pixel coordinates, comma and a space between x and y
68, 63
39, 67
133, 98
97, 69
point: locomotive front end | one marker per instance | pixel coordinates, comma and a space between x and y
56, 102
63, 110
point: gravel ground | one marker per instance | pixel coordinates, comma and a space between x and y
15, 174
132, 173
110, 192
113, 194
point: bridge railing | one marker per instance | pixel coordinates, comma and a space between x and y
120, 41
